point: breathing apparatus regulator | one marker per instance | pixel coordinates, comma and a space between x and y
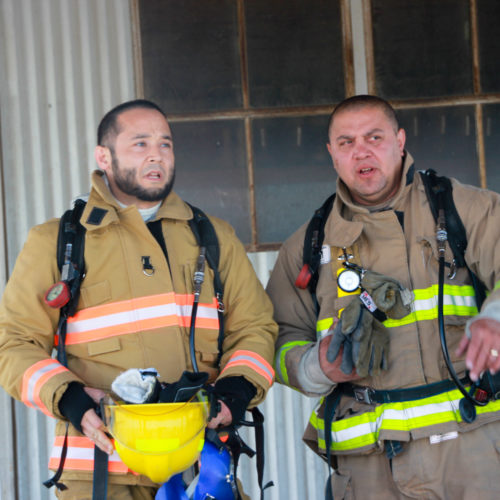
487, 388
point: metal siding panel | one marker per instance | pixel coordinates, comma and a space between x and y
65, 63
296, 471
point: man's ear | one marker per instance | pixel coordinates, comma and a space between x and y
103, 158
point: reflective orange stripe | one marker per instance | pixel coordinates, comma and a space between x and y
139, 314
253, 361
80, 455
33, 380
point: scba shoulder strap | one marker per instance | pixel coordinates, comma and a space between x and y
438, 190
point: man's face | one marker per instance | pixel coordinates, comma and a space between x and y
367, 154
141, 170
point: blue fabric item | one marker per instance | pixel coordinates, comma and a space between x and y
173, 489
216, 477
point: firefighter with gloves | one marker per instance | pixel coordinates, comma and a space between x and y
143, 297
388, 304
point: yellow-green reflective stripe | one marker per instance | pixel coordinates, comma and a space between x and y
280, 362
458, 300
322, 327
497, 286
362, 430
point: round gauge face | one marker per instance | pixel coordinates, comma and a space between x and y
55, 291
348, 280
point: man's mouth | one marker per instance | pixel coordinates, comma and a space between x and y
365, 170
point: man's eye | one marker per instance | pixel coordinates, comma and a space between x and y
140, 143
166, 145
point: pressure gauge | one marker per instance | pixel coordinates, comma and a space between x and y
348, 280
58, 295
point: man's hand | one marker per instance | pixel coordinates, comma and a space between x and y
93, 427
482, 349
222, 419
332, 370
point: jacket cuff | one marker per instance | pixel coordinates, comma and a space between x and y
490, 311
310, 375
74, 403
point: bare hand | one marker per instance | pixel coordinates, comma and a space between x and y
483, 348
332, 370
93, 427
222, 419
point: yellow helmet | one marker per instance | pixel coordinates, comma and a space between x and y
158, 440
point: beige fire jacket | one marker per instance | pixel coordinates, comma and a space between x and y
127, 318
400, 242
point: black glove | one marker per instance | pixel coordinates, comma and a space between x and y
74, 403
184, 389
236, 392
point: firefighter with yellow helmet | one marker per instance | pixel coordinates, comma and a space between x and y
135, 305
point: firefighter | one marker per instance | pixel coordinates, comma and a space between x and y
368, 342
134, 306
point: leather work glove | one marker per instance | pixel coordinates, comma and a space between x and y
355, 318
364, 338
388, 295
370, 351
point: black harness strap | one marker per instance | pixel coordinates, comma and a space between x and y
73, 233
439, 191
206, 237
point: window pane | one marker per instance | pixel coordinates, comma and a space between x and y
491, 117
443, 139
190, 54
488, 13
211, 170
422, 48
293, 173
294, 52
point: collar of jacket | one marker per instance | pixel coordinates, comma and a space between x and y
101, 200
340, 230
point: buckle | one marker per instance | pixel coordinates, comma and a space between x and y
364, 395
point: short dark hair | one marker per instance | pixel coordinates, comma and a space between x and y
363, 101
108, 128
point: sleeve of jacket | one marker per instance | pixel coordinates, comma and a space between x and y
296, 361
28, 325
250, 331
479, 210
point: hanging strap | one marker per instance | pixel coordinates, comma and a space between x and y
331, 403
205, 235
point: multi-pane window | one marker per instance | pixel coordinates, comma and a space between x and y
249, 84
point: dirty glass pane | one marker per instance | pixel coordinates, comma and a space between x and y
190, 54
443, 139
491, 117
488, 15
293, 173
294, 52
422, 48
211, 170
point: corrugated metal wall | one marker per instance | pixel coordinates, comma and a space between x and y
64, 63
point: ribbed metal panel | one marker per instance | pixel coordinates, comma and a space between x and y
64, 63
296, 471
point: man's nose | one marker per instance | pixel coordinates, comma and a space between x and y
361, 150
154, 154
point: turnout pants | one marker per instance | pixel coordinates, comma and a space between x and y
464, 468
